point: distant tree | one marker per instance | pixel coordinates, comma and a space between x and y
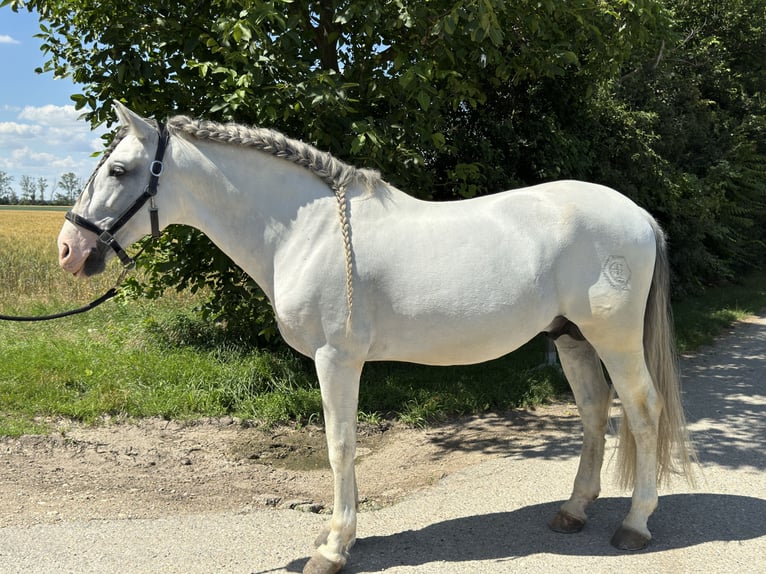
70, 185
7, 195
28, 188
42, 187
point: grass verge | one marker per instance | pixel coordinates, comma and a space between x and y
700, 319
139, 359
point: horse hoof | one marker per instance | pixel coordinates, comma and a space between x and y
321, 565
629, 539
566, 523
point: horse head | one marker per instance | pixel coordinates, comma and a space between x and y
102, 218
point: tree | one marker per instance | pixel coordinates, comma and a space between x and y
28, 188
7, 195
390, 85
70, 185
42, 187
377, 83
707, 102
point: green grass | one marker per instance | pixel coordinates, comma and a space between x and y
111, 363
699, 319
420, 395
139, 359
60, 208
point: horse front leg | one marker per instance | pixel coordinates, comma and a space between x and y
582, 368
339, 383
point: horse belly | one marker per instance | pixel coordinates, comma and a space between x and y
440, 343
438, 331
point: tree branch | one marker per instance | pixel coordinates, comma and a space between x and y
662, 55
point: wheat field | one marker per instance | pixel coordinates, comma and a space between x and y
30, 276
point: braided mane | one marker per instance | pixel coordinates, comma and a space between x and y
329, 169
335, 173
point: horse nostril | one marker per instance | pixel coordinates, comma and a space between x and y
65, 251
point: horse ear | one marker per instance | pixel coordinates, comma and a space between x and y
131, 120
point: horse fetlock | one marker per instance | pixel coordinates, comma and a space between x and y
322, 537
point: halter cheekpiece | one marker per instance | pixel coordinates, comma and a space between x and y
107, 236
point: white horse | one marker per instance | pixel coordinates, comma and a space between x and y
358, 271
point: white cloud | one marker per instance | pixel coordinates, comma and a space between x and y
5, 39
14, 129
46, 141
50, 115
30, 157
62, 127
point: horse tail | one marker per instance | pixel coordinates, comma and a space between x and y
675, 452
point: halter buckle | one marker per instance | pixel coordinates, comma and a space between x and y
156, 168
106, 238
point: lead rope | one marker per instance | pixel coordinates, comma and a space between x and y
92, 305
110, 294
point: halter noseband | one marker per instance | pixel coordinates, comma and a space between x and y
106, 236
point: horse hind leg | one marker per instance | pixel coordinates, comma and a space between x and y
583, 370
642, 406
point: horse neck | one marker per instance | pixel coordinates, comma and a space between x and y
245, 201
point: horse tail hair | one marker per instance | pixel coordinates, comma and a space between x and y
675, 453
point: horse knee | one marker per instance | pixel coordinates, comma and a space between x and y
340, 461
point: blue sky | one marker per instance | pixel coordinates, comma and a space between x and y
40, 133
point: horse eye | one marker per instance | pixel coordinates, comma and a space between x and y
116, 171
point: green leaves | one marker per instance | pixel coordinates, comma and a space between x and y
453, 98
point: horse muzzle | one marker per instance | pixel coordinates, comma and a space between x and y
79, 254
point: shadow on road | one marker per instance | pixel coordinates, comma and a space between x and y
678, 523
515, 434
725, 398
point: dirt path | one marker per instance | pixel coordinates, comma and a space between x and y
155, 468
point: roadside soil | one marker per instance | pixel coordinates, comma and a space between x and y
154, 468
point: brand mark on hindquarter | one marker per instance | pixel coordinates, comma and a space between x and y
617, 272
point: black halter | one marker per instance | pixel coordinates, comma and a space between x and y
107, 236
